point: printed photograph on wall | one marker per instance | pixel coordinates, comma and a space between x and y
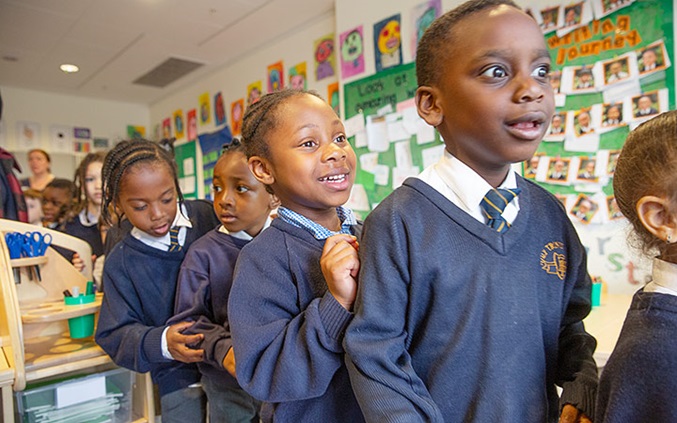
387, 43
298, 78
652, 58
325, 59
275, 77
28, 134
205, 110
61, 138
191, 124
236, 115
352, 52
178, 123
219, 109
254, 92
167, 128
422, 16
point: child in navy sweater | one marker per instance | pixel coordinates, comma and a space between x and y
464, 313
295, 283
140, 274
639, 381
243, 205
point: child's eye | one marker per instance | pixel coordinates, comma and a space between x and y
167, 200
217, 188
542, 71
308, 144
139, 208
495, 72
89, 180
242, 188
340, 139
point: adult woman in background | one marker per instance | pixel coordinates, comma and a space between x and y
39, 163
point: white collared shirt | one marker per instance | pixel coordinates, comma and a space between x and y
242, 234
461, 185
164, 242
87, 219
664, 278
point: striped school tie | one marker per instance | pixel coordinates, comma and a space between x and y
494, 203
174, 239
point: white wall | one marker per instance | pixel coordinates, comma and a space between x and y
105, 119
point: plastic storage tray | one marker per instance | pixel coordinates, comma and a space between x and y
100, 397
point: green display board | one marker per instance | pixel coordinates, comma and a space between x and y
627, 30
185, 156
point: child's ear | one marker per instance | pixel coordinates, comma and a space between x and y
274, 202
427, 104
657, 217
261, 169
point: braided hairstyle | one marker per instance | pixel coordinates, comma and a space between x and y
647, 165
435, 46
79, 180
263, 116
119, 160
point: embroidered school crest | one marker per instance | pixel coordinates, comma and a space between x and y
553, 259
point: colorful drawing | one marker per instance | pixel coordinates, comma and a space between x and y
352, 52
387, 43
275, 77
333, 97
205, 112
236, 114
134, 131
298, 77
254, 92
325, 60
178, 123
191, 126
219, 109
422, 16
167, 128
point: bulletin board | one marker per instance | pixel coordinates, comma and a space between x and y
185, 156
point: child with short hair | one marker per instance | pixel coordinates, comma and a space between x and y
471, 299
139, 277
57, 200
243, 205
638, 383
295, 283
34, 206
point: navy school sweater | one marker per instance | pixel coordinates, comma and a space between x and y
457, 322
139, 290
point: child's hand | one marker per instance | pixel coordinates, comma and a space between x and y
77, 262
340, 266
571, 414
229, 362
177, 343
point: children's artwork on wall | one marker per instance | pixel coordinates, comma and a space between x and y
210, 145
205, 110
548, 18
275, 77
82, 133
219, 109
61, 139
584, 209
166, 128
575, 15
387, 43
191, 125
100, 144
352, 52
254, 92
325, 59
298, 78
28, 134
178, 123
136, 131
236, 115
422, 15
333, 97
605, 7
81, 146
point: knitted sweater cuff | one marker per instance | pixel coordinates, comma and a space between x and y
334, 317
152, 345
579, 395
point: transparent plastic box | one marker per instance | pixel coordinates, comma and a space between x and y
100, 397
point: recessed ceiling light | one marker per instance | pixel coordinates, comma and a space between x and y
68, 68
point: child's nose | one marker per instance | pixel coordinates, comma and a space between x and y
529, 89
333, 151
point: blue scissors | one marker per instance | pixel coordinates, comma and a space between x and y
15, 242
36, 243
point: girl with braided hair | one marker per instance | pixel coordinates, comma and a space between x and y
140, 184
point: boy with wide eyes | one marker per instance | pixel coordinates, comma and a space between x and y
473, 283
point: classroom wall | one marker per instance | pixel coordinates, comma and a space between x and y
105, 119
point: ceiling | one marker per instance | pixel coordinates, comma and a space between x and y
115, 42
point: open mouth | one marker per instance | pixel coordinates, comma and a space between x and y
334, 178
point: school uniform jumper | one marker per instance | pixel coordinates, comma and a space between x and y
639, 381
87, 232
139, 291
287, 329
459, 322
205, 280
